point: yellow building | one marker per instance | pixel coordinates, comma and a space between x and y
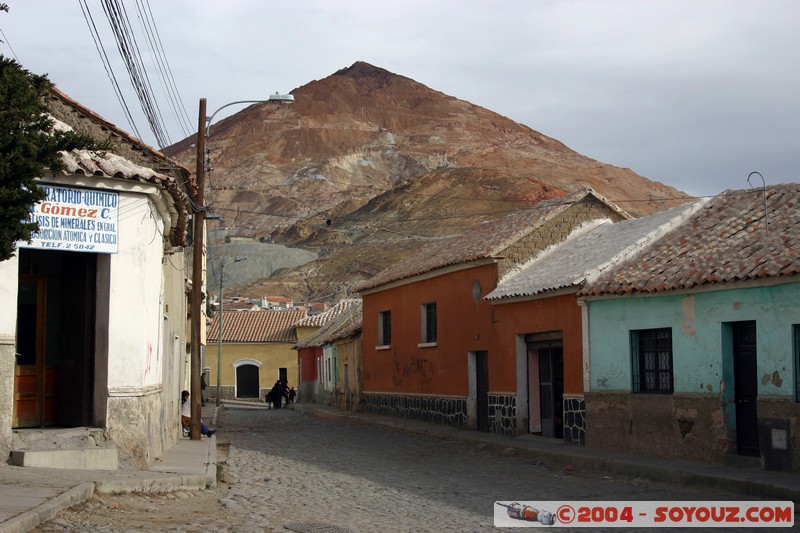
257, 350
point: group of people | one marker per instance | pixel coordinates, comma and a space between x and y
279, 392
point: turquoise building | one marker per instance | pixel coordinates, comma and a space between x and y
693, 342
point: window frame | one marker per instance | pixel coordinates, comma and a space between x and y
384, 328
429, 324
646, 343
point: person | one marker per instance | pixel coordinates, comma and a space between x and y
292, 394
276, 394
203, 385
186, 416
285, 390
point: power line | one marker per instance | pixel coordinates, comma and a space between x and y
87, 15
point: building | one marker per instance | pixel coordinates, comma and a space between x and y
257, 349
333, 354
693, 342
537, 315
433, 349
110, 247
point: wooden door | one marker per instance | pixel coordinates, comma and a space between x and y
746, 387
29, 368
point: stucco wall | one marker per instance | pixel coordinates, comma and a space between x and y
696, 421
271, 356
348, 387
464, 325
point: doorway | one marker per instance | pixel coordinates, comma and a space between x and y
546, 383
54, 367
247, 381
482, 390
746, 387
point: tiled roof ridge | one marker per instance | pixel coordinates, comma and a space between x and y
102, 163
586, 251
485, 241
55, 91
342, 326
267, 325
724, 242
327, 315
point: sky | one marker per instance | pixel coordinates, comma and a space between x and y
696, 94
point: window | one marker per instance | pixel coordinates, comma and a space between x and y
429, 333
651, 359
384, 328
796, 352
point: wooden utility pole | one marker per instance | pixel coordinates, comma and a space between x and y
198, 231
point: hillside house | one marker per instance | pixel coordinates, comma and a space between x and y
693, 342
110, 247
432, 347
537, 315
257, 350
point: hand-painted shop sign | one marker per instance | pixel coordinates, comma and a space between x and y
80, 220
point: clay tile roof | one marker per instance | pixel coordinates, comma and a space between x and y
325, 317
725, 241
257, 326
588, 252
110, 165
345, 324
487, 241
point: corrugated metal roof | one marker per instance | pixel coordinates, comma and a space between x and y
588, 252
487, 241
257, 326
346, 323
727, 240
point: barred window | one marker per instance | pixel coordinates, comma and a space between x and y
651, 359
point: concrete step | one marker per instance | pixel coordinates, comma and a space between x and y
70, 448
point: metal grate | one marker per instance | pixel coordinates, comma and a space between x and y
314, 527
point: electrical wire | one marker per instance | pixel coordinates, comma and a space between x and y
87, 15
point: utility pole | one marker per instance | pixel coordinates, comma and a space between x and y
198, 231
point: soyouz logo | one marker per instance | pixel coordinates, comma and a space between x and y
594, 514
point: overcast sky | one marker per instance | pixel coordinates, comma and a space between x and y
695, 94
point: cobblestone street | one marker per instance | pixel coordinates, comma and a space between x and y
282, 470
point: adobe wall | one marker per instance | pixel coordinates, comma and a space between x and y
553, 231
681, 426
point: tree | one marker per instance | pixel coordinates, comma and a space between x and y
29, 146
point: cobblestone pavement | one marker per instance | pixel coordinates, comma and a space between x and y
285, 471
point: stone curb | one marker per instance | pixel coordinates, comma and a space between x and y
47, 511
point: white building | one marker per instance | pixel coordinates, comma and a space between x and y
93, 312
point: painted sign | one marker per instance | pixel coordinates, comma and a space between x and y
80, 220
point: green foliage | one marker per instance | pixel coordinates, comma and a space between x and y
28, 147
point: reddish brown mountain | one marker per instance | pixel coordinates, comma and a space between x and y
366, 165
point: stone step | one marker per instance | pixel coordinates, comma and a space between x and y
75, 459
70, 448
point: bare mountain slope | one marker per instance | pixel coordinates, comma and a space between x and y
366, 164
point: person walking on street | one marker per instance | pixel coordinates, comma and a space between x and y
203, 385
276, 394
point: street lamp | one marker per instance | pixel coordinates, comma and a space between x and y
198, 229
221, 314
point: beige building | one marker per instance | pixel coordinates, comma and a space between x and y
257, 350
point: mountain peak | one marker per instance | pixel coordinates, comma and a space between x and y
360, 70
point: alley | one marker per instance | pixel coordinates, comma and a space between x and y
282, 470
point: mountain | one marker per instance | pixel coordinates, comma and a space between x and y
367, 165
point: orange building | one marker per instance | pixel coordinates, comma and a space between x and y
435, 349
